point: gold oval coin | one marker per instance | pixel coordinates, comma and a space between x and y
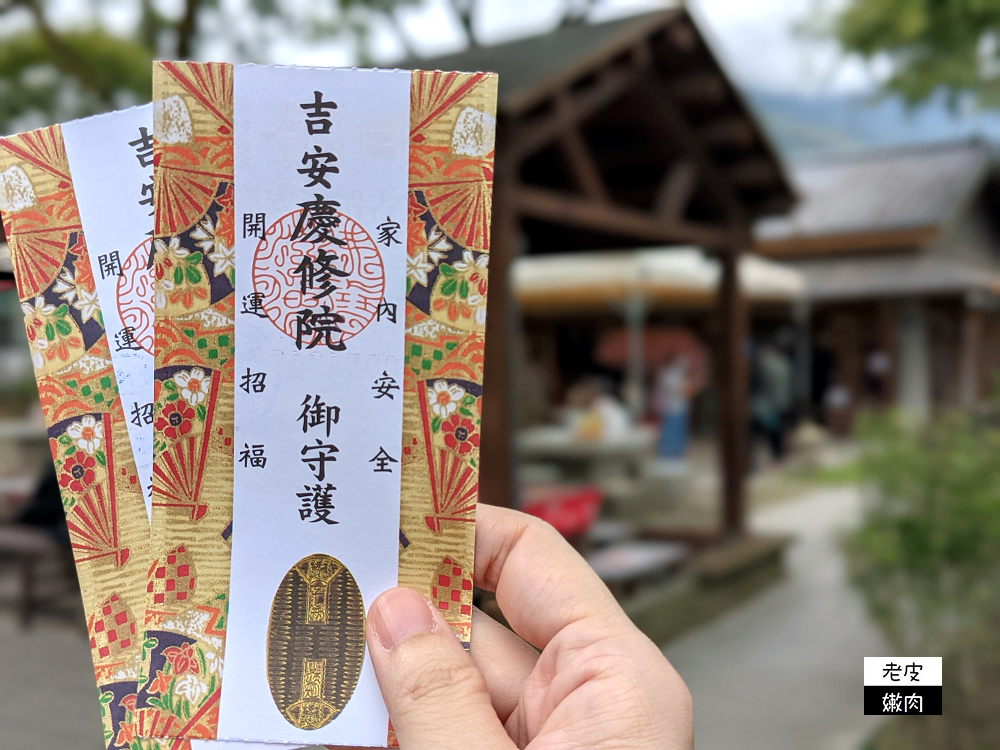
315, 641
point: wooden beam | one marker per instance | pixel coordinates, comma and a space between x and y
855, 243
674, 194
660, 105
755, 172
496, 485
558, 208
581, 163
703, 87
531, 134
729, 131
683, 37
846, 325
888, 341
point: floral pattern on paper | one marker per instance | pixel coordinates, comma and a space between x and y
424, 249
194, 385
183, 414
220, 250
180, 284
460, 434
76, 287
79, 458
53, 336
78, 473
105, 513
176, 420
461, 289
88, 434
182, 659
444, 398
186, 668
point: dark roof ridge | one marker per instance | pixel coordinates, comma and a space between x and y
605, 40
626, 18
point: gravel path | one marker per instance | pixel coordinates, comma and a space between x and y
784, 671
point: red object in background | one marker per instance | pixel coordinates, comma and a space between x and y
571, 509
660, 344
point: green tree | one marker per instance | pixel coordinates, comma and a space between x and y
49, 73
927, 561
930, 44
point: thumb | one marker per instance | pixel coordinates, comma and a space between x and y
436, 697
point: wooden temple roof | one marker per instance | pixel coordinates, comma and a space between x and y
876, 200
636, 121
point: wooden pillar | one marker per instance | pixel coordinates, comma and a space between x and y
972, 334
635, 369
849, 367
914, 361
496, 461
732, 385
802, 316
888, 336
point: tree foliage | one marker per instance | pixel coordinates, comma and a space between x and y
930, 44
927, 561
90, 72
51, 74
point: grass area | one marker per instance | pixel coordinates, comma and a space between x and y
16, 400
849, 473
927, 562
792, 482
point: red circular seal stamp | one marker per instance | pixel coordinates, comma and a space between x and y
134, 293
354, 291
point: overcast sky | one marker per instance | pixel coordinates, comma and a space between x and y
756, 39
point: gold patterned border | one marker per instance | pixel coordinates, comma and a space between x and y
452, 129
100, 488
451, 165
188, 579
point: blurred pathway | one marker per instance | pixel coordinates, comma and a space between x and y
784, 672
48, 700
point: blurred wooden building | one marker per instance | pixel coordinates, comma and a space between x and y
570, 304
620, 135
15, 361
900, 250
6, 267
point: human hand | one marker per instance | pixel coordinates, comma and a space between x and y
599, 683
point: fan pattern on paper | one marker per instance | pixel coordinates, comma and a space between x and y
193, 246
87, 433
451, 167
452, 125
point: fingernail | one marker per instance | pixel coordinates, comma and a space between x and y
398, 614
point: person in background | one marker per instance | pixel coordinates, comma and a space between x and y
771, 403
838, 401
44, 510
592, 411
878, 367
672, 399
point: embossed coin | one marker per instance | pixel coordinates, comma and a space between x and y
315, 641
